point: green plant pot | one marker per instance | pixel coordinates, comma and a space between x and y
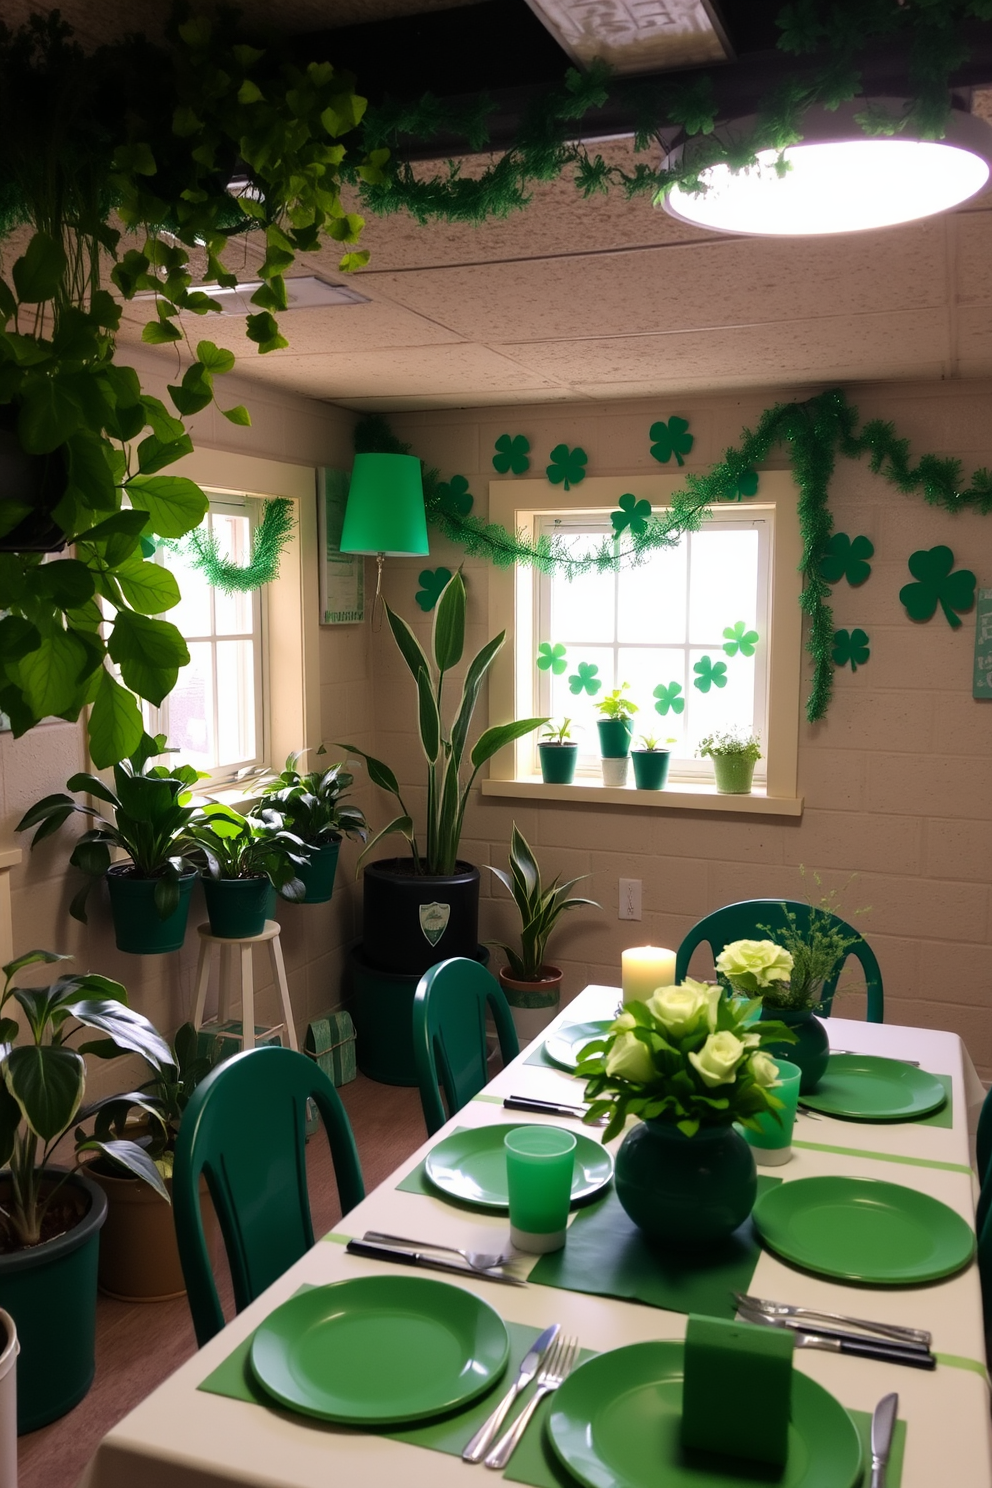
381, 1004
812, 1050
237, 907
558, 763
614, 737
685, 1191
411, 921
138, 929
50, 1292
650, 768
319, 873
734, 773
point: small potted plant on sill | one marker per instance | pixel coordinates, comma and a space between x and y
615, 729
734, 753
247, 857
151, 811
558, 754
311, 806
533, 986
651, 763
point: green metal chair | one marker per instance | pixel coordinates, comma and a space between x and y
244, 1131
449, 1034
740, 922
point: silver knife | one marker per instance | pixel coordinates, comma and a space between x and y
882, 1426
429, 1262
481, 1441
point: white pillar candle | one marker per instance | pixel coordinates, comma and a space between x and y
644, 969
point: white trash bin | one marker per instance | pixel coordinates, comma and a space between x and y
8, 1401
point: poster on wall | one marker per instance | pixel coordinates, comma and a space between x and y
981, 686
342, 575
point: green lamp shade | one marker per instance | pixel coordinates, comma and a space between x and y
385, 511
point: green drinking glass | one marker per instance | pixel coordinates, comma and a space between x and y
772, 1145
539, 1165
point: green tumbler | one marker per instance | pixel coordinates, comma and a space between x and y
539, 1165
772, 1145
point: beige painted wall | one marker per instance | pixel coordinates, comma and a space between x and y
896, 778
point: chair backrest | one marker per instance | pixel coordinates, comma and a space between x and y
741, 921
983, 1163
449, 1034
243, 1130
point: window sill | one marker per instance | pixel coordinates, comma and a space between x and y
681, 796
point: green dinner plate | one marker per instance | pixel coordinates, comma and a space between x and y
379, 1349
861, 1229
862, 1087
471, 1165
615, 1423
562, 1047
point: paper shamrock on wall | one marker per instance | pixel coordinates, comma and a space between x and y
456, 498
850, 647
936, 584
709, 674
846, 558
668, 697
743, 488
633, 514
568, 467
512, 453
671, 439
432, 581
586, 680
739, 638
551, 658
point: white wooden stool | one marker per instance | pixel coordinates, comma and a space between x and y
269, 936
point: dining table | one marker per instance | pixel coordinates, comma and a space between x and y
189, 1433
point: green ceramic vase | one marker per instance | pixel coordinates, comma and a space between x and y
812, 1050
685, 1191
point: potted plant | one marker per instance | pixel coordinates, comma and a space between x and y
734, 753
151, 810
246, 858
533, 986
651, 763
558, 753
50, 1218
311, 806
691, 1061
615, 728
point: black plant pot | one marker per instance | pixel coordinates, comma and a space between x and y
414, 920
38, 481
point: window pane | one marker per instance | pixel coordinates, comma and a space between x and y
580, 707
233, 611
583, 609
652, 598
235, 701
192, 613
723, 583
191, 710
645, 668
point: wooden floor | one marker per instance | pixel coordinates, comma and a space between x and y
139, 1344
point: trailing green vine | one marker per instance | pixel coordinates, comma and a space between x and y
267, 542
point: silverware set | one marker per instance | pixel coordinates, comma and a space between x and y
549, 1108
422, 1253
550, 1362
838, 1334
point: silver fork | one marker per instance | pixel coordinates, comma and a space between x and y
479, 1260
557, 1367
896, 1331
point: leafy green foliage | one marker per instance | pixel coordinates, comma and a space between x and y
732, 741
311, 805
739, 638
432, 582
551, 658
257, 846
937, 584
512, 453
633, 514
816, 953
709, 673
846, 558
557, 733
540, 908
671, 439
585, 679
850, 648
567, 467
743, 488
615, 705
669, 698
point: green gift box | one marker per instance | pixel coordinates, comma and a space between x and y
330, 1042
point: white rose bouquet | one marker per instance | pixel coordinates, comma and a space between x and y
690, 1055
753, 966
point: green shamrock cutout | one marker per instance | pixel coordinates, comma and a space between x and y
513, 453
710, 674
931, 567
567, 466
844, 558
432, 581
148, 546
850, 647
671, 439
668, 697
456, 498
739, 638
586, 679
742, 489
633, 514
551, 658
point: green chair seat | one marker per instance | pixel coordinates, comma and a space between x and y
449, 1034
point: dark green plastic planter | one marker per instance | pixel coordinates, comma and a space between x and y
650, 768
237, 907
558, 763
138, 928
614, 737
411, 921
50, 1292
319, 873
685, 1191
381, 1004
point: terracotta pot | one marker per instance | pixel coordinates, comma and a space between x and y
533, 1004
139, 1257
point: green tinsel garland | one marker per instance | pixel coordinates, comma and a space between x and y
814, 432
268, 540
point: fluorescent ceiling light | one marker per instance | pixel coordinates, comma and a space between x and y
840, 180
306, 292
636, 35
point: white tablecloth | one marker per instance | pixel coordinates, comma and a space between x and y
181, 1437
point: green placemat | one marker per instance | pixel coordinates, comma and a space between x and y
607, 1255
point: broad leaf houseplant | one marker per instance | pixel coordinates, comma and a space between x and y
615, 728
558, 753
311, 805
246, 857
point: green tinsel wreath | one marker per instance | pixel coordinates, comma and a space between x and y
268, 540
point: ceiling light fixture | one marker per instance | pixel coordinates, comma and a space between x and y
837, 178
385, 514
303, 292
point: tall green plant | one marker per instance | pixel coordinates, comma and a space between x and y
540, 908
444, 750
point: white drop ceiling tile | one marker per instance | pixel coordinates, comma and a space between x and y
448, 372
326, 329
506, 398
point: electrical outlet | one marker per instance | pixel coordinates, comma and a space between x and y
630, 899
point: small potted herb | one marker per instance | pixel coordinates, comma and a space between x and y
311, 806
651, 763
558, 754
734, 753
245, 858
615, 729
